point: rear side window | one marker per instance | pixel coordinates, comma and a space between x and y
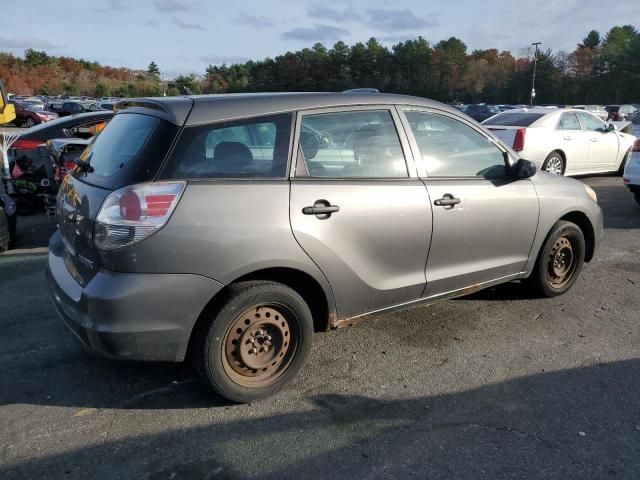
569, 121
514, 119
129, 150
250, 148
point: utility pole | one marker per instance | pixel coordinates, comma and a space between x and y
535, 64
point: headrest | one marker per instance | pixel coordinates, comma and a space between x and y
232, 153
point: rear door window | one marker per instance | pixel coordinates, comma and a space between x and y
351, 144
250, 148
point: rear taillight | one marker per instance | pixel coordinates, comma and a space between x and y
518, 141
131, 214
27, 144
636, 146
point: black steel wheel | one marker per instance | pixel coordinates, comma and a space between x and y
255, 343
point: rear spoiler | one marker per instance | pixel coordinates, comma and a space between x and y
172, 109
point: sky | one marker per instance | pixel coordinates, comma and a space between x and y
184, 36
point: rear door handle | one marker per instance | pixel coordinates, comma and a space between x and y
567, 137
594, 139
321, 208
447, 201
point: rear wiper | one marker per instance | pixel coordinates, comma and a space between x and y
85, 167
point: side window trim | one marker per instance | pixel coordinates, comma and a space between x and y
420, 166
297, 170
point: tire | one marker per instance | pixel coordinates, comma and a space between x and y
29, 122
5, 235
554, 163
255, 343
554, 273
623, 164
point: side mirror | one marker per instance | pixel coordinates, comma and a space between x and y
524, 169
611, 128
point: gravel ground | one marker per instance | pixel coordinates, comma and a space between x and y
496, 385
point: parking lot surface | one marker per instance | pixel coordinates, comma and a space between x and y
496, 385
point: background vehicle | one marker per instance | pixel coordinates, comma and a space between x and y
563, 141
618, 113
7, 110
33, 179
71, 108
380, 215
480, 112
29, 115
631, 176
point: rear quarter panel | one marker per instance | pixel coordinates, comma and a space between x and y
222, 230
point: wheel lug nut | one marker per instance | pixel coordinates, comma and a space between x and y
253, 350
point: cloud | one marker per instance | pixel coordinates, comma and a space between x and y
186, 26
151, 23
172, 6
398, 20
220, 59
253, 20
317, 33
24, 42
321, 11
113, 6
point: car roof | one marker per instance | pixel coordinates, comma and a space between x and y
197, 109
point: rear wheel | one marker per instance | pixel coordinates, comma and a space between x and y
560, 260
256, 343
554, 163
29, 122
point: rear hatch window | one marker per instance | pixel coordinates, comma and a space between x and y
129, 150
514, 119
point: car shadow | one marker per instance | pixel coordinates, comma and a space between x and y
619, 208
574, 423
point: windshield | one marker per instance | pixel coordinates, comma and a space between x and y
514, 119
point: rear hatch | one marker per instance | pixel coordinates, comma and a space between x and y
129, 150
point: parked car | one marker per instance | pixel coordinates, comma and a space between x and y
618, 113
563, 141
631, 176
106, 105
72, 107
33, 179
597, 110
481, 111
209, 225
29, 115
8, 222
35, 101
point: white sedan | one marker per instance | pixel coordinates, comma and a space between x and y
631, 176
563, 141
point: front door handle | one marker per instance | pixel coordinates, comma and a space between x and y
594, 139
447, 201
567, 137
321, 208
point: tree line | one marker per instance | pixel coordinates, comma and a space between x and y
601, 69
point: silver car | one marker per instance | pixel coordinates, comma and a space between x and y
227, 229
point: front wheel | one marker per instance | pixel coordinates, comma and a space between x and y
30, 122
560, 260
554, 163
256, 343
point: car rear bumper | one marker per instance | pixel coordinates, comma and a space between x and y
132, 316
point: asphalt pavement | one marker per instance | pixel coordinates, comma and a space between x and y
497, 385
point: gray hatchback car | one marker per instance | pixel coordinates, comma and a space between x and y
228, 228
